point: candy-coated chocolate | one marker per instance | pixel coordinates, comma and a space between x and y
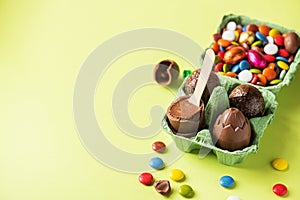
228, 35
275, 81
222, 73
271, 66
269, 73
156, 163
146, 178
234, 55
264, 29
221, 54
226, 181
231, 25
226, 68
186, 73
252, 27
235, 43
254, 79
282, 65
244, 65
176, 175
269, 58
256, 43
247, 37
235, 68
186, 191
223, 43
256, 59
231, 74
273, 32
280, 164
222, 48
262, 79
283, 53
233, 198
237, 35
279, 40
159, 146
215, 47
270, 39
271, 49
218, 67
280, 58
217, 36
255, 71
280, 189
282, 74
261, 37
245, 75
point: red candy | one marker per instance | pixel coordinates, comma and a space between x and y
146, 178
221, 54
218, 67
159, 146
269, 58
254, 79
280, 189
283, 53
279, 40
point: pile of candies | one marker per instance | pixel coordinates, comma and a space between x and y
164, 187
255, 54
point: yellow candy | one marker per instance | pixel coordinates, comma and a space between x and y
273, 32
280, 164
237, 35
176, 175
282, 65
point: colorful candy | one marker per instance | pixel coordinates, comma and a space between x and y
186, 191
245, 50
146, 178
156, 163
280, 164
280, 189
226, 181
176, 175
159, 147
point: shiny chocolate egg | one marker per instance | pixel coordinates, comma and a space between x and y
292, 42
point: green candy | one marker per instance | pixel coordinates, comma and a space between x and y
226, 68
186, 73
275, 81
255, 71
257, 43
186, 191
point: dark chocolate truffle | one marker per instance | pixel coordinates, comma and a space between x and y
232, 130
166, 72
185, 118
248, 99
191, 82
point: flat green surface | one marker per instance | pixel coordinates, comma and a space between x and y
42, 47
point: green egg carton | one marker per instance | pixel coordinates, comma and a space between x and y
217, 103
244, 20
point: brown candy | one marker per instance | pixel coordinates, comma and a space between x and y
185, 118
191, 81
163, 187
232, 130
292, 42
234, 55
248, 100
166, 72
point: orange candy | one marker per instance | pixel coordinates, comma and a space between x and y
231, 74
264, 29
271, 66
224, 43
215, 47
269, 73
262, 79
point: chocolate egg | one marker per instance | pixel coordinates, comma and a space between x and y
248, 99
191, 81
292, 42
234, 55
232, 130
166, 72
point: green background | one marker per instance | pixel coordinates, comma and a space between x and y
42, 47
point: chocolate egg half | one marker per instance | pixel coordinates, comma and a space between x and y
232, 130
292, 42
248, 99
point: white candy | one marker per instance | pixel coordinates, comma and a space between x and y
228, 35
271, 49
233, 198
245, 75
270, 39
282, 74
231, 26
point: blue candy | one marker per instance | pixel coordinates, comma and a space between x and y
261, 36
244, 64
235, 68
282, 59
226, 181
222, 49
244, 28
156, 163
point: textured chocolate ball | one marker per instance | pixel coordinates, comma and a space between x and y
191, 81
248, 99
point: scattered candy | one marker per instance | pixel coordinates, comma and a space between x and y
280, 164
233, 198
226, 181
163, 187
146, 178
186, 191
156, 163
280, 189
186, 73
176, 175
254, 48
159, 146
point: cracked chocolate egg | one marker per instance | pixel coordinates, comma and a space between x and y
248, 99
232, 130
166, 72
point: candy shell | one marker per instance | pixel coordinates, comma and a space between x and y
231, 26
226, 181
254, 79
269, 73
271, 49
159, 146
255, 71
176, 175
231, 74
244, 65
275, 81
228, 35
279, 58
186, 191
223, 43
264, 29
252, 27
186, 73
279, 40
245, 75
269, 58
226, 68
283, 53
156, 163
282, 65
280, 189
282, 74
262, 79
280, 164
218, 67
273, 32
270, 39
215, 47
256, 43
146, 178
235, 68
261, 37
